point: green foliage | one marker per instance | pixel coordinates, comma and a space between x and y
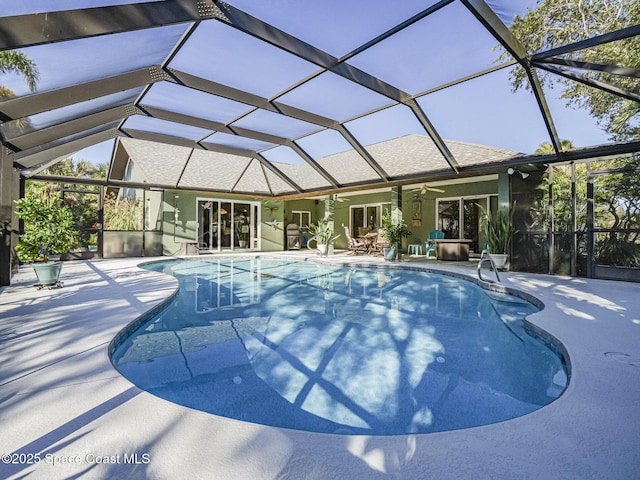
556, 23
18, 62
614, 249
82, 200
80, 168
394, 233
48, 228
616, 208
324, 230
562, 202
498, 229
546, 148
124, 214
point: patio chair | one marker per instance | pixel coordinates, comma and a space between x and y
356, 245
293, 236
431, 243
381, 242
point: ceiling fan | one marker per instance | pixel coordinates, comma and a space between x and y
337, 198
426, 188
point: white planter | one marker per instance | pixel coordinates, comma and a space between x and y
499, 259
390, 253
323, 249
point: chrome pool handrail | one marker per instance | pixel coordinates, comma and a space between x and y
493, 266
320, 252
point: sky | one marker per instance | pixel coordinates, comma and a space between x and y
96, 154
425, 55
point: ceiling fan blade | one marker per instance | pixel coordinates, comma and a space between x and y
434, 189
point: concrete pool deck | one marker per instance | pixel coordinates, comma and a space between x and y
62, 401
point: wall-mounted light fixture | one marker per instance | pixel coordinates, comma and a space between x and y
511, 171
176, 214
176, 210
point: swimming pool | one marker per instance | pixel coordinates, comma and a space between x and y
340, 349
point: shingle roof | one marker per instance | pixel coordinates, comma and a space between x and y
406, 156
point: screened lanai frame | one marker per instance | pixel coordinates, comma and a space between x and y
266, 108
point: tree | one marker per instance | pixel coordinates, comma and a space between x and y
617, 210
48, 228
18, 62
556, 23
81, 200
546, 148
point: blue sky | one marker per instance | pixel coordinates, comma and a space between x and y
428, 53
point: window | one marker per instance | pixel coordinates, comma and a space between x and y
363, 217
461, 218
301, 218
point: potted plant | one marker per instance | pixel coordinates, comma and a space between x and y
242, 228
243, 237
394, 233
323, 235
497, 228
93, 242
48, 230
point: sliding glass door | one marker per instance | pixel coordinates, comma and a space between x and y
365, 218
226, 225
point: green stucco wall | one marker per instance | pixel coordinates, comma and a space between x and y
276, 214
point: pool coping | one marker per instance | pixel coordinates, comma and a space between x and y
59, 395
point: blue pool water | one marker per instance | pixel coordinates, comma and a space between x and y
354, 350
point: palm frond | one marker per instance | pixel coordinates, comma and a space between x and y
18, 62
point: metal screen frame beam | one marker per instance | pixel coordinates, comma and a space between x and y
35, 157
20, 107
257, 28
348, 136
488, 18
44, 136
435, 136
313, 164
397, 28
249, 99
160, 138
28, 30
596, 67
621, 34
619, 92
155, 112
276, 171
